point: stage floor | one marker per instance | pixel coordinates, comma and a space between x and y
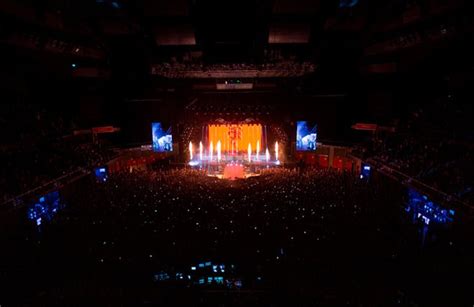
221, 176
234, 170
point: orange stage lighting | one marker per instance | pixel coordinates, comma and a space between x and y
235, 137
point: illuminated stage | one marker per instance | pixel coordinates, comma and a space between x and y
234, 171
232, 151
232, 165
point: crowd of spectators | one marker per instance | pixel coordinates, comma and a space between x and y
434, 145
295, 236
30, 168
38, 147
445, 166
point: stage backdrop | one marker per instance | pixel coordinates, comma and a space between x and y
234, 137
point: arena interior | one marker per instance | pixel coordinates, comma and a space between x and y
236, 153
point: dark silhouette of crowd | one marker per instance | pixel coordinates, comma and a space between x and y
434, 145
30, 168
296, 237
38, 146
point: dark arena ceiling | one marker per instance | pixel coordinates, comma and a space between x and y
111, 51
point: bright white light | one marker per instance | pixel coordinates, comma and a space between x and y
190, 151
211, 149
267, 155
193, 163
219, 151
249, 151
258, 149
200, 151
276, 151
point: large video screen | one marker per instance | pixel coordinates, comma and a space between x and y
236, 137
306, 136
162, 139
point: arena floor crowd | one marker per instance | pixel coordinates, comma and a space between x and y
305, 236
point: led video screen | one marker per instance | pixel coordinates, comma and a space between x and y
162, 139
236, 137
306, 136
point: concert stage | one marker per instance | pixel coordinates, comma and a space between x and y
234, 166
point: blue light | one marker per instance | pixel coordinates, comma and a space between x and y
73, 65
427, 211
162, 140
306, 136
45, 209
365, 172
115, 5
347, 3
162, 276
193, 268
101, 174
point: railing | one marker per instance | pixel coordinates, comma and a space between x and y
52, 184
419, 185
71, 176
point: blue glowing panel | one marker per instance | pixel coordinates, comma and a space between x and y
306, 136
365, 171
44, 209
423, 209
162, 140
101, 174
